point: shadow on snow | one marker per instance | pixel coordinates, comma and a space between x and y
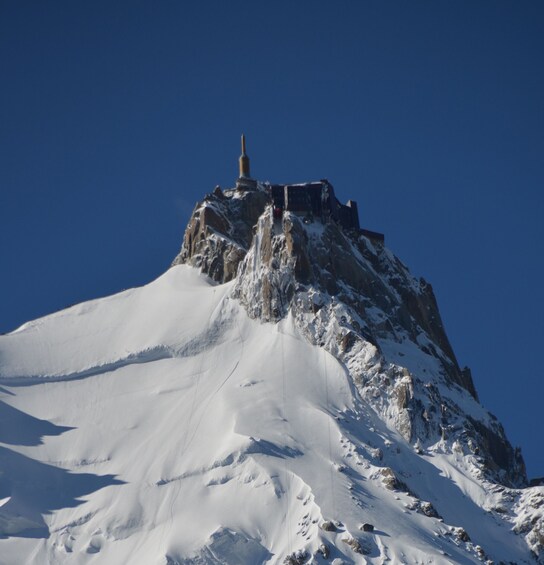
29, 488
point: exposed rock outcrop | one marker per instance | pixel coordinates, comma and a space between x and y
220, 232
353, 297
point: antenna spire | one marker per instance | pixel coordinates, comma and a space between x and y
244, 160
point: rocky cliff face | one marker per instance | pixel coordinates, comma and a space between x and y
353, 297
220, 232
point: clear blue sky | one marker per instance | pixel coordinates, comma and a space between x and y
116, 117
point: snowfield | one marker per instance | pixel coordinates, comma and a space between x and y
162, 425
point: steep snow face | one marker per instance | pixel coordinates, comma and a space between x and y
353, 297
361, 304
162, 425
165, 425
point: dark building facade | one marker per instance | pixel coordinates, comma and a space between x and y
315, 199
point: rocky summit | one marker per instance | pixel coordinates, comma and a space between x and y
352, 296
284, 393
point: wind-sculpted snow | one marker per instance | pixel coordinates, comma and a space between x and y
164, 425
104, 335
148, 356
195, 346
239, 448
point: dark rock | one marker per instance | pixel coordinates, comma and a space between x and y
390, 480
497, 451
324, 550
427, 509
296, 558
220, 232
288, 265
357, 545
328, 526
461, 535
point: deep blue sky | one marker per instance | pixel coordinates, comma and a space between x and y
115, 118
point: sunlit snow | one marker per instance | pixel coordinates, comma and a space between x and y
162, 425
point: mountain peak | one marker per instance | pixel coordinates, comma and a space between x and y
294, 251
296, 401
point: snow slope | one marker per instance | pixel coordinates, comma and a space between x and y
163, 425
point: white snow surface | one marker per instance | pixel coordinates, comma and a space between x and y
162, 425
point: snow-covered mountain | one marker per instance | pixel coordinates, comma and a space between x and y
285, 393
